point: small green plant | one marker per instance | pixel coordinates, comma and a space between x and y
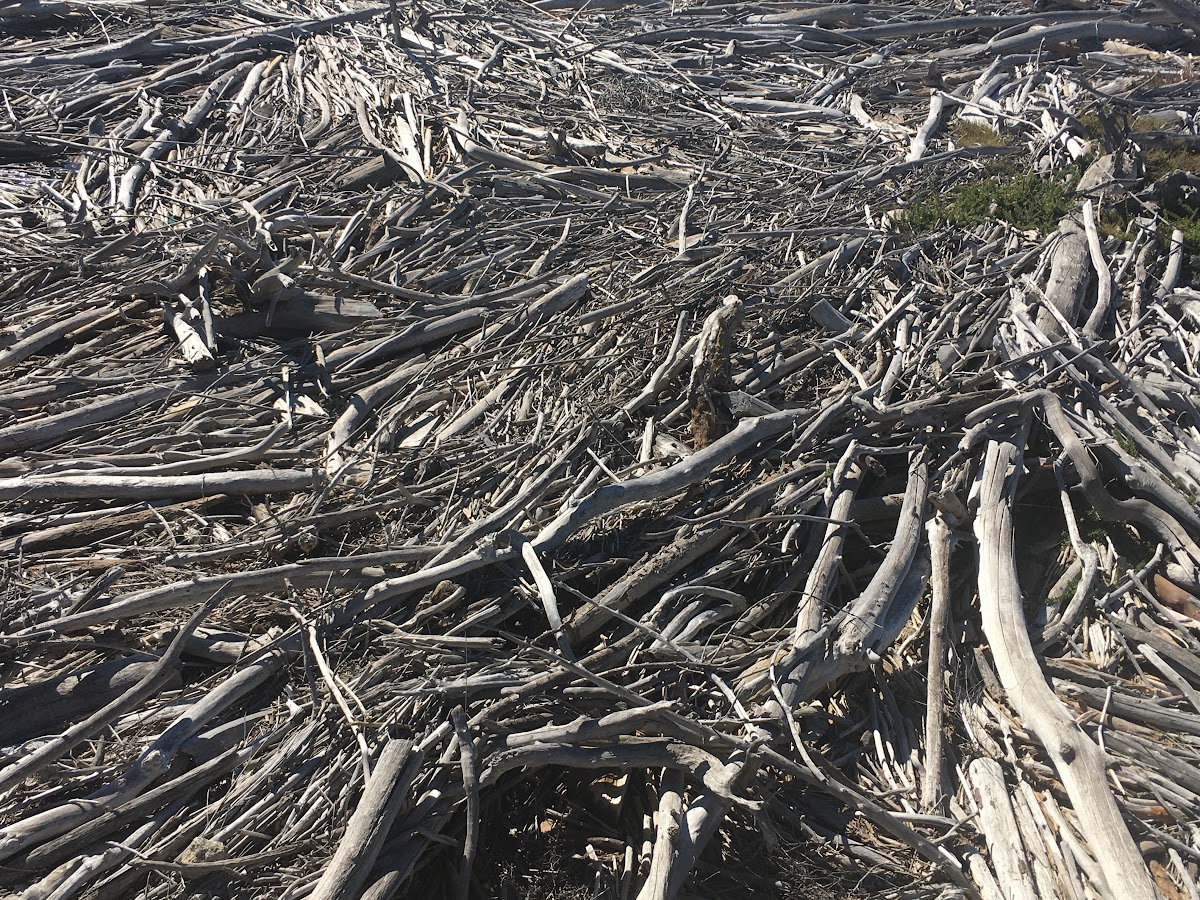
1114, 222
1125, 442
1108, 132
1026, 201
1142, 124
1111, 130
1115, 216
1187, 221
972, 133
1092, 528
1092, 129
923, 214
1126, 539
1068, 591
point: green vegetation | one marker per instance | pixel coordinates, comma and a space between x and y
1114, 226
1029, 201
1162, 161
1092, 528
1175, 211
1119, 125
1127, 539
1092, 129
1125, 442
1026, 201
970, 133
1061, 599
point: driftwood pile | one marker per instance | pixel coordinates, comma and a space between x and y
522, 450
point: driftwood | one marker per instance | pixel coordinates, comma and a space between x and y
1075, 756
562, 449
382, 800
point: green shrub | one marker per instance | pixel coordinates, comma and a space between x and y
1175, 211
972, 133
1026, 201
1162, 161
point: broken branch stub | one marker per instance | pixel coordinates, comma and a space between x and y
711, 373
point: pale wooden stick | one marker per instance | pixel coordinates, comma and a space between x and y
940, 547
331, 682
1000, 829
670, 807
1095, 320
195, 353
150, 487
920, 141
469, 762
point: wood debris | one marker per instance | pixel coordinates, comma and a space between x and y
596, 448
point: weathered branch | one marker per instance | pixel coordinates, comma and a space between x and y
1078, 761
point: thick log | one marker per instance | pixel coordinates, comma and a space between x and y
29, 711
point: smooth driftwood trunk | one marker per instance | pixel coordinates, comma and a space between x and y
1079, 762
1068, 279
347, 872
940, 548
74, 487
1000, 829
